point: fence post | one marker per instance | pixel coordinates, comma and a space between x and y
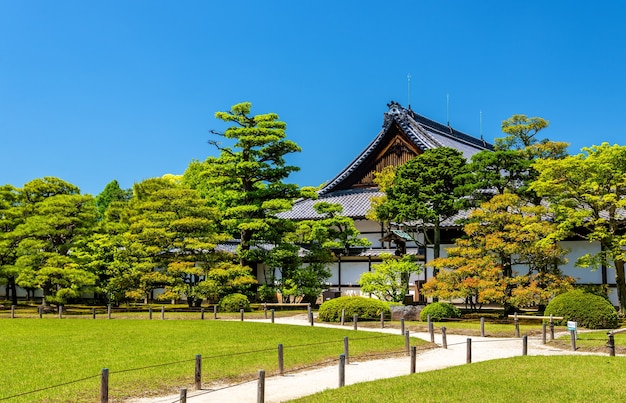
413, 358
482, 327
342, 370
543, 333
382, 320
241, 312
444, 338
265, 310
162, 312
12, 311
343, 316
469, 351
202, 313
551, 329
260, 397
355, 321
517, 334
150, 312
215, 311
311, 318
197, 377
281, 360
40, 310
407, 343
104, 386
402, 326
93, 313
183, 395
525, 345
60, 311
611, 344
346, 349
109, 311
572, 335
273, 311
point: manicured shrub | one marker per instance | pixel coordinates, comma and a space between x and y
589, 310
439, 311
234, 303
364, 308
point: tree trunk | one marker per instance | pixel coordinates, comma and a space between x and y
13, 288
621, 284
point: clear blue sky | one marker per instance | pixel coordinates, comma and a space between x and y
96, 91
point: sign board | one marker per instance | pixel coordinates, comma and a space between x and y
571, 325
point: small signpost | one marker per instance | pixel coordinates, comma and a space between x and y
572, 327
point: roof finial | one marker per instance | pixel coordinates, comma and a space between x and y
408, 77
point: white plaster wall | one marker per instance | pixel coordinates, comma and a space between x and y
583, 275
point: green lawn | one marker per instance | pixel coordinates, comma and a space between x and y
158, 356
519, 379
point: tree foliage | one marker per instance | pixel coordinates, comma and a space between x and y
390, 279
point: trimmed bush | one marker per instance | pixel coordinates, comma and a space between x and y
439, 311
589, 310
364, 308
234, 303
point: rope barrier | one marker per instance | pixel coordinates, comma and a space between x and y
49, 387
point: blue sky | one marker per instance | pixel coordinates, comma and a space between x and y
127, 90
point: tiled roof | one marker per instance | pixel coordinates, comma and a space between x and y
356, 203
423, 132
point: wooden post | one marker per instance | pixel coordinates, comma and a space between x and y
109, 311
543, 333
241, 312
346, 349
342, 370
355, 321
60, 311
104, 386
201, 313
197, 378
428, 322
162, 312
12, 311
402, 326
407, 342
281, 360
572, 335
611, 344
431, 330
260, 396
382, 320
273, 311
413, 358
551, 329
265, 309
183, 395
93, 313
482, 327
215, 311
150, 312
469, 351
517, 334
525, 345
444, 338
343, 316
40, 310
311, 318
308, 309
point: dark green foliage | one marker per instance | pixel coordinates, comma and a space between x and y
234, 303
589, 310
364, 308
439, 311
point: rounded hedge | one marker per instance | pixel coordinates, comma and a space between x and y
439, 311
590, 311
364, 308
234, 303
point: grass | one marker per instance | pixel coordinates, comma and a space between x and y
519, 379
594, 341
148, 357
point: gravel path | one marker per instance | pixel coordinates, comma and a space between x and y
294, 385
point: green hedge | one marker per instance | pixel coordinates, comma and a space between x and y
234, 303
589, 310
439, 311
364, 308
